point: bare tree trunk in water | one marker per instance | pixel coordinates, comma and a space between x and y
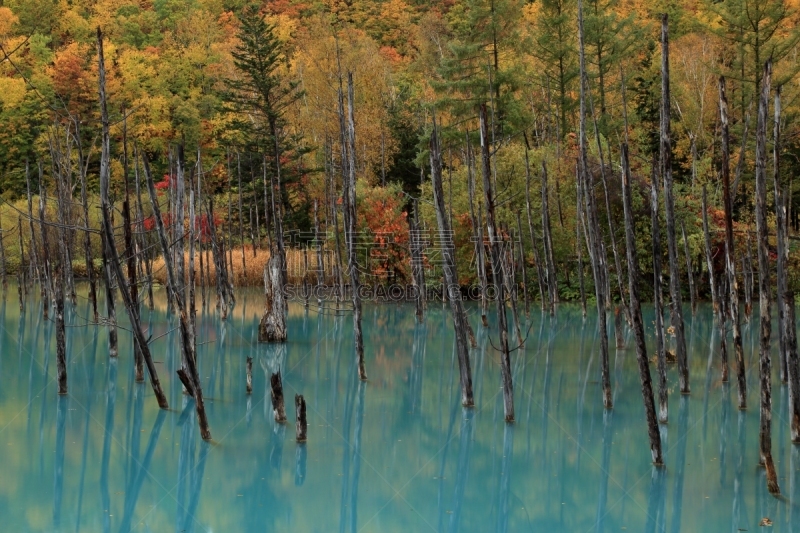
352, 262
129, 250
111, 251
87, 240
522, 267
61, 342
782, 236
450, 273
676, 308
765, 362
793, 366
596, 247
730, 257
636, 315
497, 271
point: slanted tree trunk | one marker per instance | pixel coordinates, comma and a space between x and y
497, 270
764, 289
451, 273
730, 257
676, 307
113, 259
636, 315
596, 247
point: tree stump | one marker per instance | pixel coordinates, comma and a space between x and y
278, 406
301, 431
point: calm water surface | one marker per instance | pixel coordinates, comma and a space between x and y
397, 453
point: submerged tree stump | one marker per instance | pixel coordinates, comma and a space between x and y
301, 429
272, 327
249, 375
278, 406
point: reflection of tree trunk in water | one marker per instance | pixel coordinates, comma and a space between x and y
680, 462
356, 457
441, 477
417, 361
656, 501
602, 498
132, 495
505, 479
196, 482
462, 469
87, 422
108, 431
723, 434
58, 481
736, 512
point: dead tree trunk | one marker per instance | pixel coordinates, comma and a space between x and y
417, 262
712, 281
450, 272
732, 297
129, 249
61, 342
765, 362
276, 390
636, 315
578, 238
552, 282
272, 327
676, 308
249, 372
301, 430
477, 225
793, 366
540, 278
523, 268
350, 206
113, 259
689, 269
782, 236
497, 270
596, 248
45, 280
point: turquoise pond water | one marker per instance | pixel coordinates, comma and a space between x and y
397, 453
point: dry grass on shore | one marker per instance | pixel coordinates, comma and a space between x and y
248, 271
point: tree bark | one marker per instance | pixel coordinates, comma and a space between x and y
61, 342
689, 269
636, 315
451, 273
793, 366
547, 238
676, 305
782, 237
